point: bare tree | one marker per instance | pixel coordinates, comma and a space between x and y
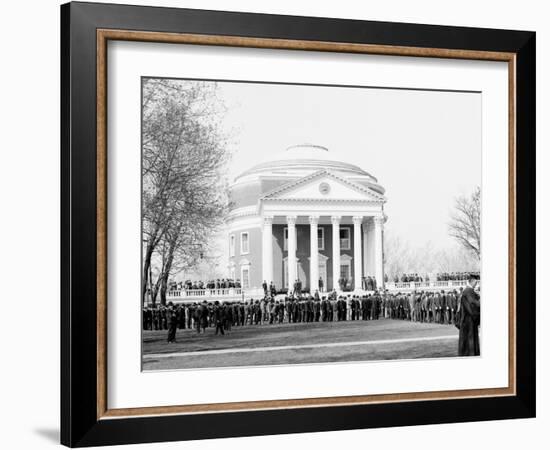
465, 224
183, 156
397, 255
401, 257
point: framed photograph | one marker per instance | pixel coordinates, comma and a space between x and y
276, 224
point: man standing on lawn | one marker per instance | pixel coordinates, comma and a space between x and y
172, 323
468, 339
219, 317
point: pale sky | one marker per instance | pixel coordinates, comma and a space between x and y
423, 146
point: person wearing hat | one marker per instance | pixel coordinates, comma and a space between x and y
468, 323
310, 308
452, 299
426, 305
171, 317
281, 312
272, 290
219, 317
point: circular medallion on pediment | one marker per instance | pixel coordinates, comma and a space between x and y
324, 188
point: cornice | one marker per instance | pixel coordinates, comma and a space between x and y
321, 173
322, 200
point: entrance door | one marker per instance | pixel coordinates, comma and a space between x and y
345, 272
323, 273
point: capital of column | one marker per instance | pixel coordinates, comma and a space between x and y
380, 220
291, 220
268, 220
335, 220
314, 220
357, 220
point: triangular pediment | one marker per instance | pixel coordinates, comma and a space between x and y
324, 185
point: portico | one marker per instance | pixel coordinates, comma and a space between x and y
308, 217
338, 259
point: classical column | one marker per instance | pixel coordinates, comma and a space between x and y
267, 249
292, 267
335, 251
370, 246
366, 249
314, 254
379, 251
357, 260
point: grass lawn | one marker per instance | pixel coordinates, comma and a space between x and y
254, 344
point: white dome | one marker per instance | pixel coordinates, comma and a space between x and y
305, 151
301, 160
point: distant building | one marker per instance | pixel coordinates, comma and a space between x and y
278, 205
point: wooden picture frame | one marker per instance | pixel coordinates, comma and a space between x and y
85, 416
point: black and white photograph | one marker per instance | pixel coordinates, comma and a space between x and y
289, 224
275, 225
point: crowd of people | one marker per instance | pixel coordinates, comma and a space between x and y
367, 283
220, 283
429, 307
444, 276
455, 276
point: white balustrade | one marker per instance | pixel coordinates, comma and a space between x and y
425, 285
203, 293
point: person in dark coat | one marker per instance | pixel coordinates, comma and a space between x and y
310, 309
281, 311
148, 319
197, 311
228, 316
172, 324
468, 339
453, 305
353, 306
324, 309
219, 317
364, 307
316, 308
180, 314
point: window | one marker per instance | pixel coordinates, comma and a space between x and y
345, 239
321, 238
345, 271
245, 247
232, 273
232, 245
245, 277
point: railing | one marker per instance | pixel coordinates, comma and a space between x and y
425, 285
225, 294
192, 293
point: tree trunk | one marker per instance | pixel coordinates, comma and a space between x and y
146, 267
167, 268
163, 288
156, 291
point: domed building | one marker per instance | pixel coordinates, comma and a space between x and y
302, 214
